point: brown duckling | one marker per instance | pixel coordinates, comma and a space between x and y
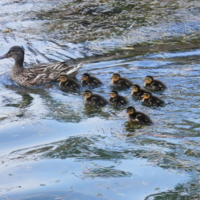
68, 83
137, 117
152, 84
120, 82
94, 99
149, 99
137, 92
90, 80
116, 99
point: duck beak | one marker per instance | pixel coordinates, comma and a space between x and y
4, 56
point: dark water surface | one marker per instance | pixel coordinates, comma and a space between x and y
54, 147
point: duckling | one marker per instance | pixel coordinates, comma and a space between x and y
90, 80
43, 73
149, 99
94, 99
152, 84
116, 99
137, 92
68, 83
120, 82
137, 117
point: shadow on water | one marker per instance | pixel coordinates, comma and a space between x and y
53, 146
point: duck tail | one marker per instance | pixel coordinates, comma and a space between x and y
75, 69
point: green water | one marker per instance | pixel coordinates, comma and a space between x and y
54, 147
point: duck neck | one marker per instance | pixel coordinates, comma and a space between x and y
19, 60
18, 66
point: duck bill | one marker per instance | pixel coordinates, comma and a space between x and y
4, 56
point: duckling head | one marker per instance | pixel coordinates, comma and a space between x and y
148, 79
113, 94
136, 88
115, 77
146, 95
130, 110
63, 78
87, 94
15, 52
85, 76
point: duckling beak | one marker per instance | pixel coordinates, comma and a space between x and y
4, 56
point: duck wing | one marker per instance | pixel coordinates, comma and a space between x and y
48, 72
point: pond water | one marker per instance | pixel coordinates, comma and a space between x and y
54, 147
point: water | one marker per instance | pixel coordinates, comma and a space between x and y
55, 147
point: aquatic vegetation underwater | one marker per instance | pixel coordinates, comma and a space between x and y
53, 146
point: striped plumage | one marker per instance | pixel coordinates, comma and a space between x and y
40, 74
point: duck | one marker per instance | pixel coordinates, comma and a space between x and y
120, 82
94, 99
138, 117
40, 74
152, 84
68, 83
116, 99
137, 92
88, 80
150, 100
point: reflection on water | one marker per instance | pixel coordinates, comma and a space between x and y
81, 134
53, 146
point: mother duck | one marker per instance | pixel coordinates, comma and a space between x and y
40, 74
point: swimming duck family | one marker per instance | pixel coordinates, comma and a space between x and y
60, 71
